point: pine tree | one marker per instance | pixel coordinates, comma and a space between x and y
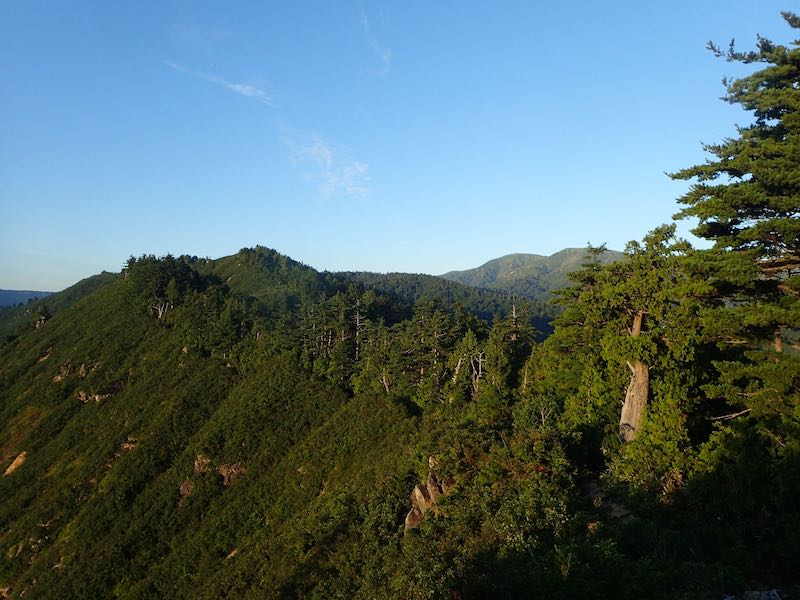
746, 198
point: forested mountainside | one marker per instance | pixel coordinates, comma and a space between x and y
249, 427
409, 289
529, 276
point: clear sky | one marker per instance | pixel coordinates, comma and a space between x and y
403, 136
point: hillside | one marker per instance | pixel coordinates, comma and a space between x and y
529, 275
407, 289
16, 318
249, 427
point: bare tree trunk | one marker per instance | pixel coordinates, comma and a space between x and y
359, 326
637, 392
457, 369
384, 379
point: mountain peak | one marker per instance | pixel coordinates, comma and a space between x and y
531, 275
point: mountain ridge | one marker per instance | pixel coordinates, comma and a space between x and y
534, 276
15, 297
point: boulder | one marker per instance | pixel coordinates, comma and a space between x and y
185, 491
16, 464
202, 464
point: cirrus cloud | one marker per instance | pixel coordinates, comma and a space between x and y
337, 172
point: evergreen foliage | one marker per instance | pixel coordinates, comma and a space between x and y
249, 427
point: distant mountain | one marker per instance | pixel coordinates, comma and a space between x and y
14, 297
530, 275
279, 283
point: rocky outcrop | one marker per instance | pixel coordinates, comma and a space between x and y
63, 373
126, 446
87, 397
130, 443
425, 496
202, 464
44, 355
109, 391
230, 472
16, 464
185, 491
413, 518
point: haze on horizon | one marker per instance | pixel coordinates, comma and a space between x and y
359, 136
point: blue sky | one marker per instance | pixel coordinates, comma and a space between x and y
415, 136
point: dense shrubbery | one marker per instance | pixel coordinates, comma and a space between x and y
250, 427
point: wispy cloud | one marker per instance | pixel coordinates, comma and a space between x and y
313, 155
384, 54
243, 89
337, 171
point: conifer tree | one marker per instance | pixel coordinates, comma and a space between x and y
746, 198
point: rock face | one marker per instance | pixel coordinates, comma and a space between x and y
413, 518
16, 464
425, 495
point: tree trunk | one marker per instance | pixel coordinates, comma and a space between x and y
635, 401
384, 379
637, 392
777, 340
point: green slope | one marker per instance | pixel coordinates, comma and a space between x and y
250, 428
16, 318
112, 409
529, 275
